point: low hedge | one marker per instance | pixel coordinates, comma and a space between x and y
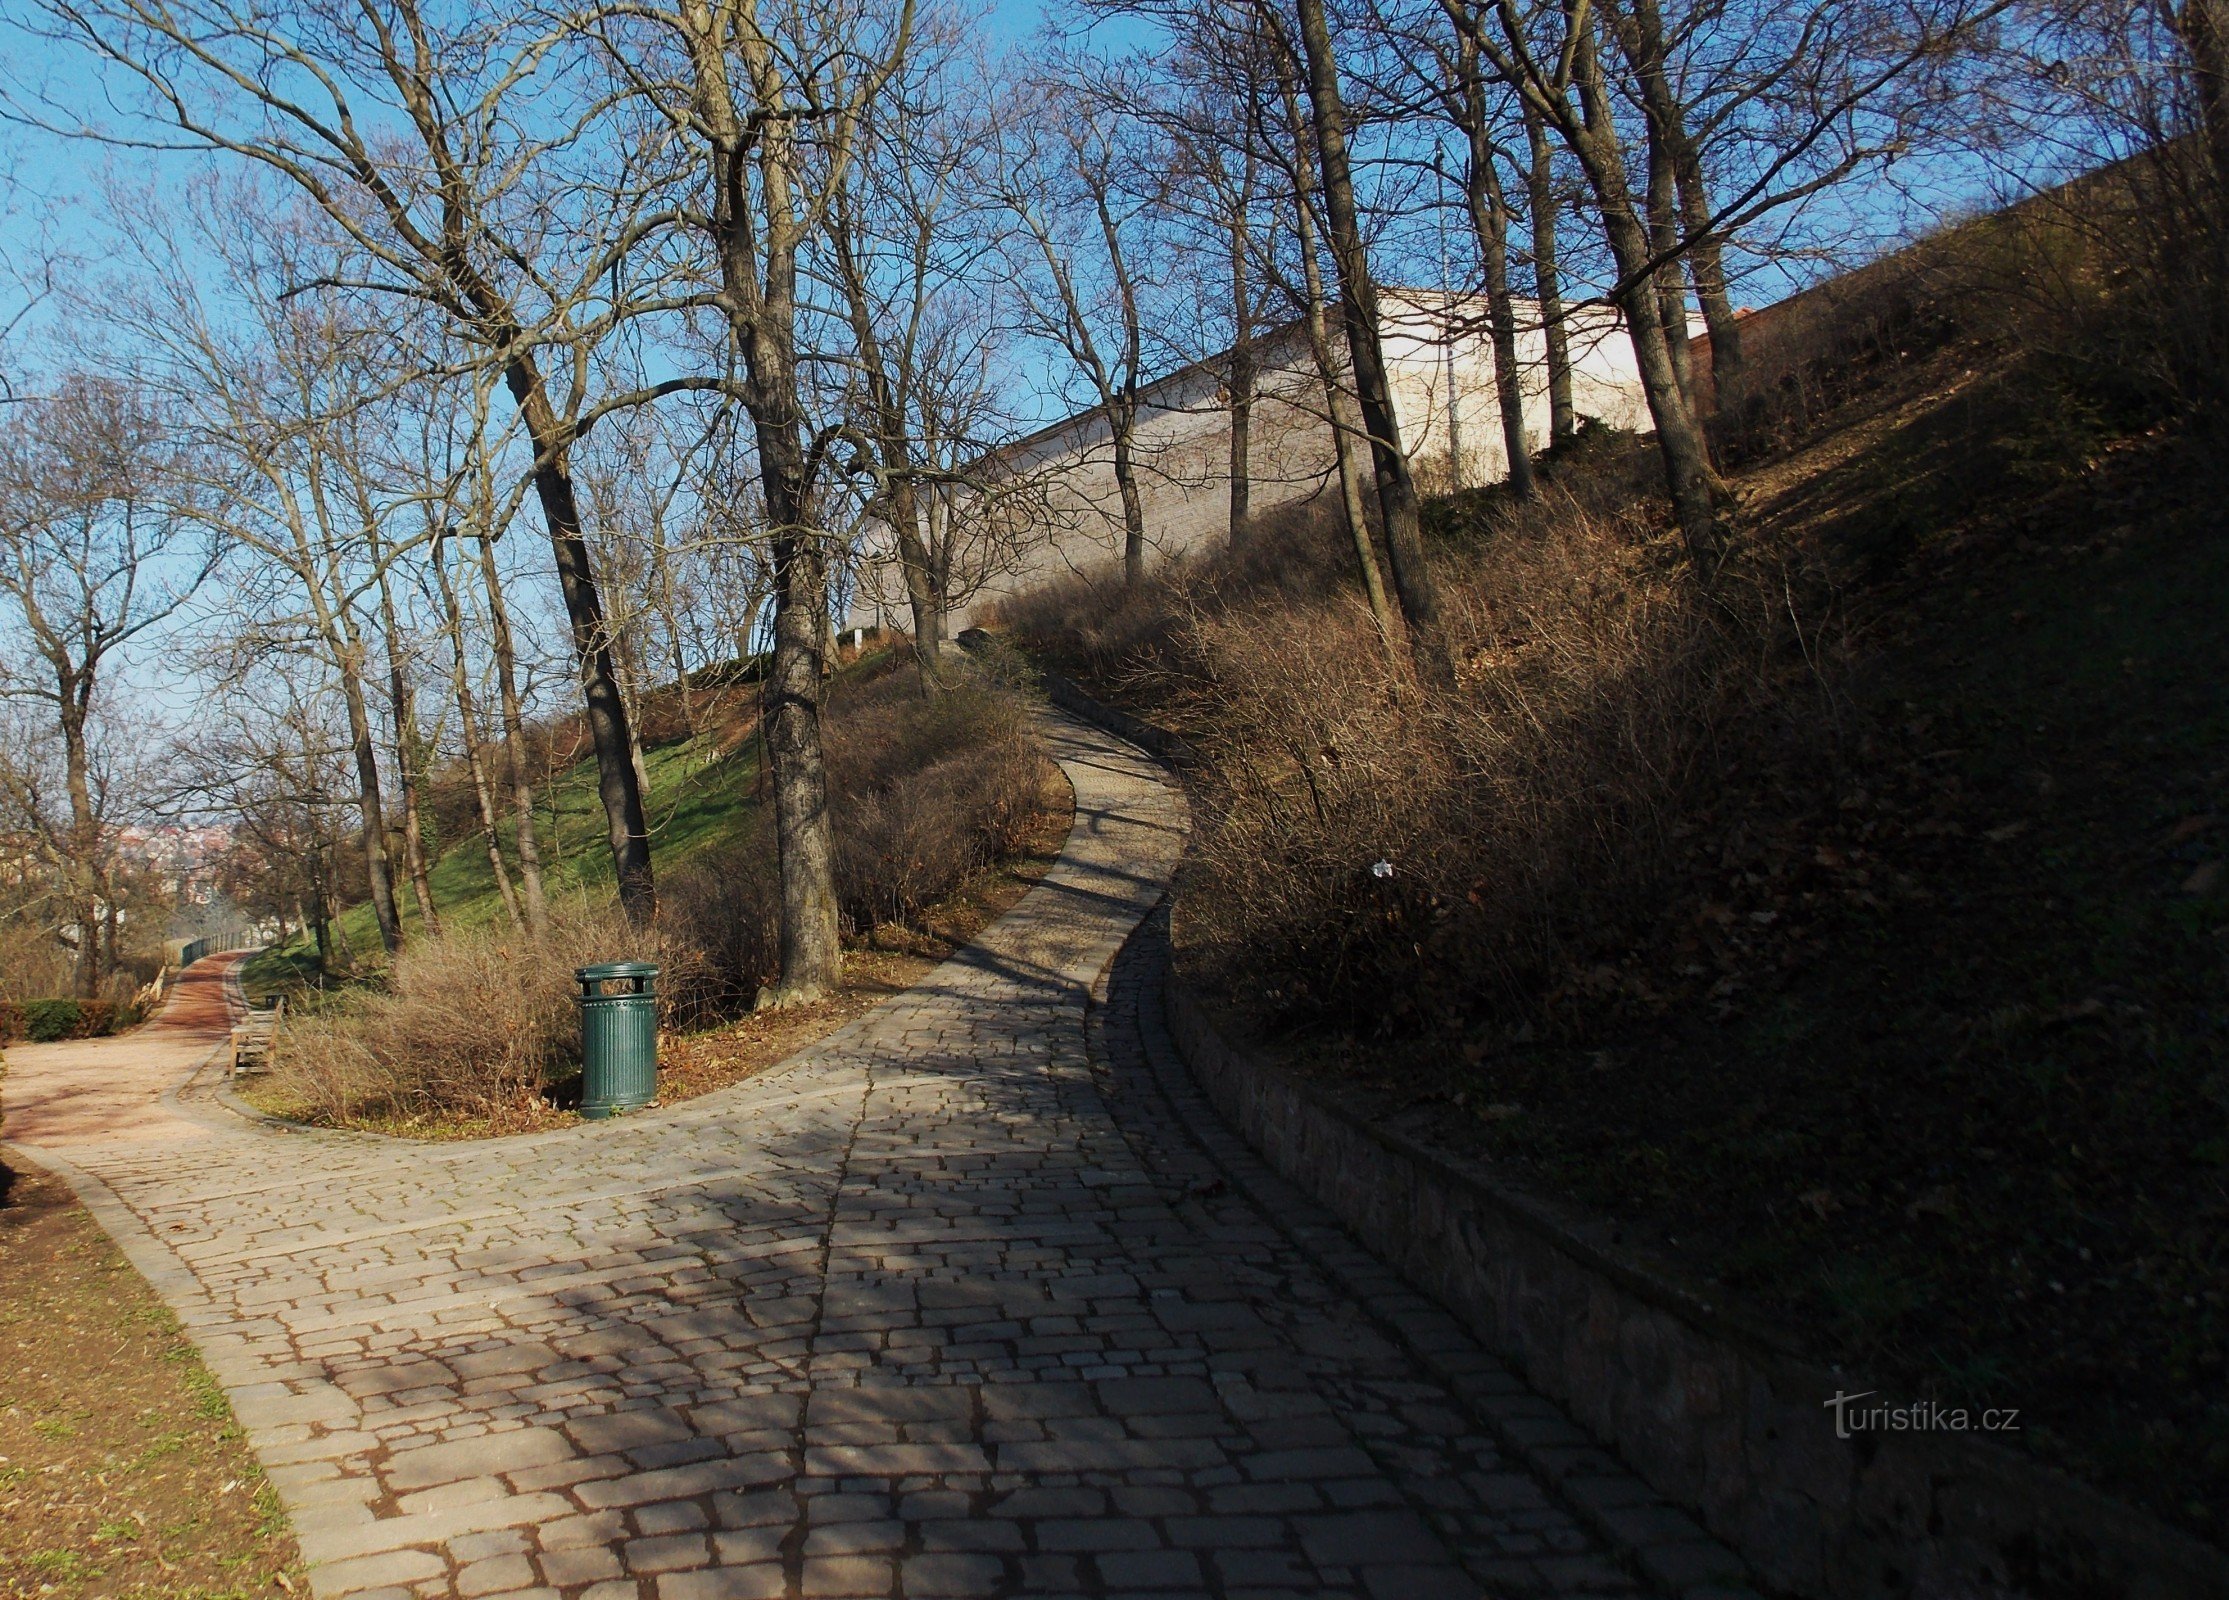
46, 1021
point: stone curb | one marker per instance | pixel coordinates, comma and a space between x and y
1654, 1539
1719, 1417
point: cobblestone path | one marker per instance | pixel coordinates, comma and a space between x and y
971, 1298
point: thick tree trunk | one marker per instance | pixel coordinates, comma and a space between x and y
514, 743
812, 951
811, 946
1397, 500
1563, 420
610, 736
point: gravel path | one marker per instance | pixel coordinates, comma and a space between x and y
971, 1298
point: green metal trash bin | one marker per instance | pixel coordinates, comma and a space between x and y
618, 1036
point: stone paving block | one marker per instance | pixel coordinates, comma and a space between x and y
495, 1575
767, 1582
864, 1577
628, 1430
571, 1568
491, 1453
975, 1296
375, 1571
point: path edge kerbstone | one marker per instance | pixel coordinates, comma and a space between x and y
1708, 1412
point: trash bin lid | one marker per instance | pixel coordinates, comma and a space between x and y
616, 969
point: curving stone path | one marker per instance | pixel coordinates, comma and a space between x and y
971, 1298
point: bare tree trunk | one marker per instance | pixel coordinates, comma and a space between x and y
1123, 417
1242, 376
893, 439
406, 756
812, 950
1676, 166
2203, 27
1563, 420
1688, 478
812, 953
1344, 427
610, 734
514, 741
1397, 501
1706, 261
1489, 214
924, 588
468, 724
1671, 287
370, 810
74, 697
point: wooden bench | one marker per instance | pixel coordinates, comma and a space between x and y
255, 1038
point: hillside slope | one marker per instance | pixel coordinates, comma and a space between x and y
703, 791
1879, 992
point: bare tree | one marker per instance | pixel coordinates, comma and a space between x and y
1082, 181
764, 103
904, 230
436, 146
96, 552
1358, 302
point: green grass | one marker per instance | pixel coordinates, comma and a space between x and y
697, 798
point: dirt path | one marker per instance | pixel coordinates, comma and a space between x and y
59, 1095
958, 1301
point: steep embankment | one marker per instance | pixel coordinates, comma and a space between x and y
702, 789
1883, 999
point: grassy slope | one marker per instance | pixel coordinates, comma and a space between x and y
696, 797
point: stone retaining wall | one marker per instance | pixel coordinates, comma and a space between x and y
1707, 1412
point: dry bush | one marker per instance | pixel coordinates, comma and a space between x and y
1386, 860
472, 1023
1522, 820
1132, 639
723, 905
2108, 289
926, 792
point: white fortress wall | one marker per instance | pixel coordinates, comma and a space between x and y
1181, 447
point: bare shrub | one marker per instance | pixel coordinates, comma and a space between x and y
1381, 859
927, 792
472, 1022
723, 904
1130, 636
